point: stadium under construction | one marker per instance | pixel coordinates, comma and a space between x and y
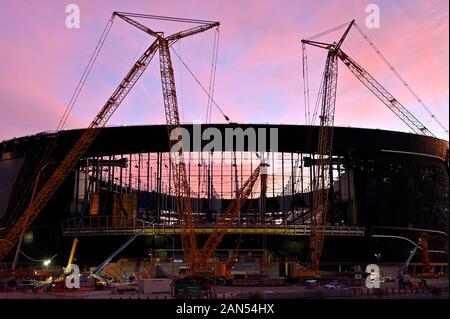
218, 200
384, 183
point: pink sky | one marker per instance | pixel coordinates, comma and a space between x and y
259, 66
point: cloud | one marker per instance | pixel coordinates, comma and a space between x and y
259, 68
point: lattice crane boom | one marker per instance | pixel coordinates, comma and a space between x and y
181, 183
384, 96
138, 25
373, 85
171, 39
324, 153
88, 136
228, 217
324, 150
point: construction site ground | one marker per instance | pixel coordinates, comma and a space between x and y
437, 289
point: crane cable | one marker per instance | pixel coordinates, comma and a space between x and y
212, 79
215, 69
308, 119
180, 80
86, 73
164, 18
391, 67
64, 118
328, 31
306, 84
201, 86
319, 98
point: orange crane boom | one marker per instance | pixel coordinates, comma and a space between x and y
227, 219
181, 183
324, 149
88, 136
384, 96
196, 261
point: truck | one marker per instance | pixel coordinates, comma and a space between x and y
154, 285
194, 286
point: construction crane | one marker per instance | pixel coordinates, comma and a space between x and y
204, 264
324, 151
88, 136
325, 138
75, 154
224, 222
181, 184
195, 260
425, 254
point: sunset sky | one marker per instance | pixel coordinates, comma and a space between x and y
259, 78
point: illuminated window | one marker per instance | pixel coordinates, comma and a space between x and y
28, 237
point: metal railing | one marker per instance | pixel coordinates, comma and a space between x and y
117, 225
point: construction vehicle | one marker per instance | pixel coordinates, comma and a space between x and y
193, 286
324, 151
323, 166
296, 271
404, 268
425, 256
404, 280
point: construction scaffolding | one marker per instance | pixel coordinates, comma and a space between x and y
140, 186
